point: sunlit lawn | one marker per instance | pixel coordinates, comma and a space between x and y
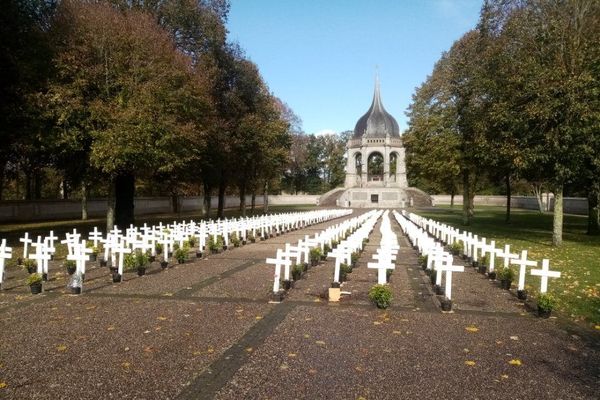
578, 289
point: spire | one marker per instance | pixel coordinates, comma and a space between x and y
376, 123
377, 104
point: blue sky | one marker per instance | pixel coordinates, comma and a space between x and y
320, 56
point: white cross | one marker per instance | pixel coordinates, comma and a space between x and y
121, 249
545, 273
5, 254
80, 256
51, 238
95, 236
492, 251
278, 261
448, 268
41, 256
25, 240
523, 263
507, 255
382, 266
340, 254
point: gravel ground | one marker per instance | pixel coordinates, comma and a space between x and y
153, 337
115, 348
341, 353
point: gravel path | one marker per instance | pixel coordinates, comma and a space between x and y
205, 330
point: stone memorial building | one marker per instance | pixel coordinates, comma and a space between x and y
375, 166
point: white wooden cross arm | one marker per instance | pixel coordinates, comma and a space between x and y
545, 273
278, 261
523, 263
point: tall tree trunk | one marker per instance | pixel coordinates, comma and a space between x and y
124, 200
207, 200
84, 201
593, 211
28, 191
174, 203
221, 205
253, 200
2, 176
266, 197
466, 197
557, 228
537, 191
452, 194
110, 207
508, 197
242, 188
37, 184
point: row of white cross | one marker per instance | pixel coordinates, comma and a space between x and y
387, 251
301, 251
117, 243
475, 247
441, 261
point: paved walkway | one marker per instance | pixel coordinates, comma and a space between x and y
205, 330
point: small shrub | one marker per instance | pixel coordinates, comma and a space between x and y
141, 259
192, 241
326, 249
546, 302
456, 247
345, 269
158, 247
29, 263
181, 254
485, 260
423, 261
354, 257
234, 239
250, 236
69, 264
297, 271
215, 244
129, 263
381, 296
388, 274
34, 279
315, 254
505, 274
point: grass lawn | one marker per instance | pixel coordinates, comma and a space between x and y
578, 259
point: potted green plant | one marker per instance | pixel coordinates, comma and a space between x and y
354, 259
30, 265
71, 266
455, 248
506, 276
446, 304
315, 256
483, 264
326, 250
381, 296
297, 271
181, 255
141, 262
233, 238
423, 262
215, 245
545, 305
192, 241
34, 281
158, 247
345, 269
250, 236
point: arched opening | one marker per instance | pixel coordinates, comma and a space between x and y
393, 166
375, 167
358, 163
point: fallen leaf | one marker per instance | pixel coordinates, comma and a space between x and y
312, 371
168, 294
306, 336
148, 349
125, 364
515, 361
283, 366
504, 376
161, 318
210, 350
3, 385
292, 355
376, 323
470, 363
397, 332
61, 347
110, 328
249, 349
320, 342
258, 317
514, 338
472, 329
597, 327
196, 353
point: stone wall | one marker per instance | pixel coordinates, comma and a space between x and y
42, 210
572, 205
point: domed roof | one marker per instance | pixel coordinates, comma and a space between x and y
376, 123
